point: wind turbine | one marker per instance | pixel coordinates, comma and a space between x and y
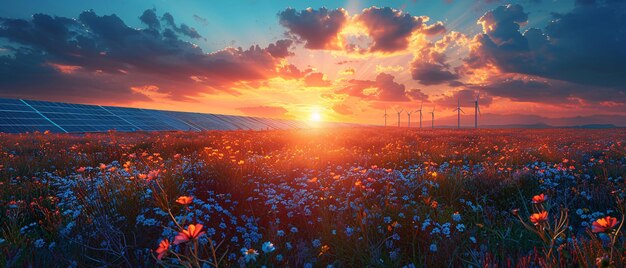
458, 110
420, 110
385, 116
476, 110
399, 112
432, 121
409, 113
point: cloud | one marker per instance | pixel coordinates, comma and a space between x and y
264, 111
389, 28
201, 20
316, 80
431, 73
384, 88
578, 52
108, 54
280, 49
465, 98
430, 66
550, 91
342, 108
150, 18
318, 29
183, 29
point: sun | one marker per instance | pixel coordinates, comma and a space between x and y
315, 116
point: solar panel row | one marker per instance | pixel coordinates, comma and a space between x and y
18, 116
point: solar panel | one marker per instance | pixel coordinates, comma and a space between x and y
140, 119
16, 117
31, 115
170, 120
80, 117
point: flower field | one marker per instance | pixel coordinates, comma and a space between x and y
349, 197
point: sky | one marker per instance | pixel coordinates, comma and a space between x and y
345, 61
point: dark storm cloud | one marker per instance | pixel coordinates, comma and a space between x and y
583, 48
384, 88
108, 56
389, 28
183, 28
150, 18
550, 91
465, 98
318, 29
428, 73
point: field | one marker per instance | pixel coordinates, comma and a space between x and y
351, 197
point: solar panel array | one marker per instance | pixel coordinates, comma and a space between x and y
18, 116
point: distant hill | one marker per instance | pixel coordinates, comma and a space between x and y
525, 121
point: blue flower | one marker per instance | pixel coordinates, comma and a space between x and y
268, 247
433, 247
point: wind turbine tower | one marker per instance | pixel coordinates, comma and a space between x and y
459, 110
399, 112
476, 110
432, 121
420, 110
385, 117
409, 114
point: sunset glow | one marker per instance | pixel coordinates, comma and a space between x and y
530, 60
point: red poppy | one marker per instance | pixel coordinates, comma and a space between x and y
184, 200
192, 232
538, 218
601, 225
164, 245
538, 199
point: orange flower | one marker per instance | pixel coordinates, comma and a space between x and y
164, 245
601, 225
538, 218
538, 199
184, 200
192, 232
79, 170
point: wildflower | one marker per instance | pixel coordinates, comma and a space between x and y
39, 243
603, 224
317, 243
184, 200
164, 245
324, 250
538, 199
103, 166
538, 218
294, 229
456, 217
349, 231
515, 212
192, 232
433, 247
249, 254
80, 169
603, 261
268, 247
